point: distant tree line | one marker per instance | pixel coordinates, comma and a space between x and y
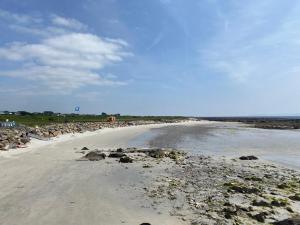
51, 113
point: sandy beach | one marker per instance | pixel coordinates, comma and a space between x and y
48, 183
44, 184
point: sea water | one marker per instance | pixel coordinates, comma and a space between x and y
227, 139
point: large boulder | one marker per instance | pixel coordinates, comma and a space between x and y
249, 157
126, 159
95, 156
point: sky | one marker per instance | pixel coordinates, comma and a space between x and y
151, 57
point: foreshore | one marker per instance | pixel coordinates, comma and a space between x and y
56, 183
20, 137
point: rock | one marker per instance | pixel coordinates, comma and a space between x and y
175, 155
145, 224
120, 150
126, 159
295, 197
260, 217
24, 140
262, 203
291, 221
157, 153
84, 148
229, 212
147, 166
95, 156
241, 188
54, 133
116, 155
279, 202
249, 157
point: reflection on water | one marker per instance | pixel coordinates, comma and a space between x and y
228, 139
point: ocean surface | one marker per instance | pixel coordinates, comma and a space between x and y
227, 139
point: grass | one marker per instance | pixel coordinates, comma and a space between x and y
42, 120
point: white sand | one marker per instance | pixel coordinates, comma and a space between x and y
48, 186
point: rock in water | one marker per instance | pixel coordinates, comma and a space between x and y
84, 148
95, 156
126, 159
249, 157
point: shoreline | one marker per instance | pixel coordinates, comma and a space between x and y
159, 186
36, 143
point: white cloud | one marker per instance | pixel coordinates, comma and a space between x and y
38, 31
19, 18
76, 50
64, 60
68, 23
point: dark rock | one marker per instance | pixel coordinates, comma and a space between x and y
260, 217
253, 178
279, 202
262, 203
291, 221
249, 157
120, 150
229, 212
84, 148
95, 156
116, 155
283, 186
295, 197
126, 159
241, 188
145, 224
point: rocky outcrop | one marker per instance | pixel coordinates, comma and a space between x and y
13, 138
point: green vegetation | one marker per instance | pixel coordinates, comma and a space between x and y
46, 119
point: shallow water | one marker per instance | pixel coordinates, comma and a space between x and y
227, 139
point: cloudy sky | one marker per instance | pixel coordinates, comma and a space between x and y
158, 57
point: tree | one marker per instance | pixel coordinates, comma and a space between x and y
23, 113
48, 113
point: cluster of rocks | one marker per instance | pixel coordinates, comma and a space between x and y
16, 137
214, 191
209, 191
129, 155
13, 138
58, 129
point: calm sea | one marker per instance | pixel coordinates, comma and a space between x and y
227, 139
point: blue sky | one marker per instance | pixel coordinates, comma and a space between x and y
158, 57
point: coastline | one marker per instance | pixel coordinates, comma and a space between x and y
62, 186
36, 143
